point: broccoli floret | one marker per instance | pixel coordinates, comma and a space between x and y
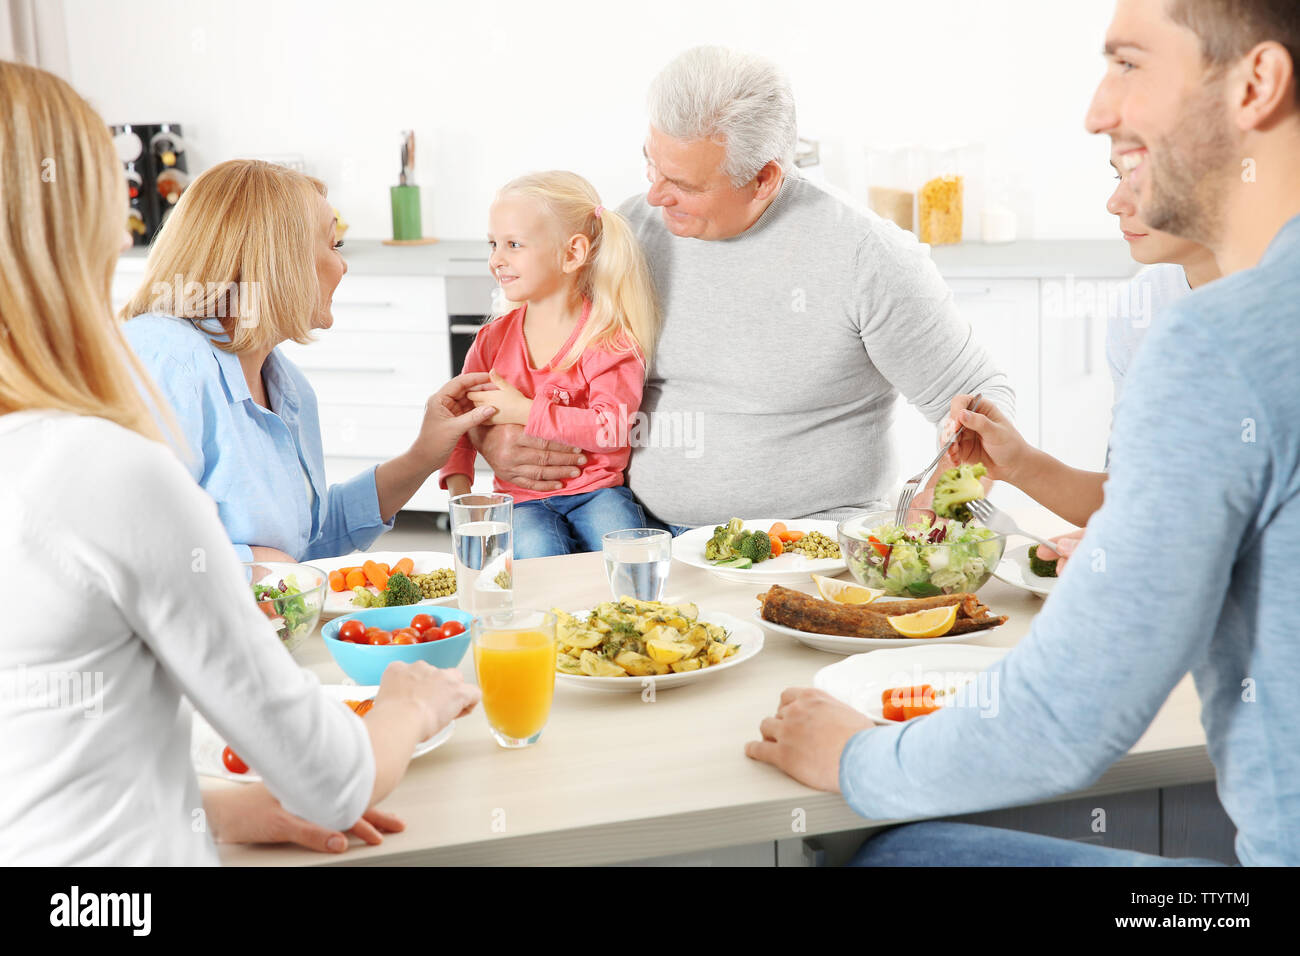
757, 547
1044, 569
401, 590
725, 542
955, 488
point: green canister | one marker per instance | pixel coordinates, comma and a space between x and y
406, 212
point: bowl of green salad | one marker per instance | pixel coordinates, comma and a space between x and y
923, 557
290, 595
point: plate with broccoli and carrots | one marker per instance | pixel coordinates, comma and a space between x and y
763, 551
1022, 568
387, 579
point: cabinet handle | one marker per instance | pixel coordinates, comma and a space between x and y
466, 329
1087, 344
347, 368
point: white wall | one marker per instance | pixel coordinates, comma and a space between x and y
496, 89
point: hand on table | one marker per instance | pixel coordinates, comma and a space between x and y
807, 735
250, 814
1065, 547
532, 463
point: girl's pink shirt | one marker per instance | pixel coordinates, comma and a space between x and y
589, 405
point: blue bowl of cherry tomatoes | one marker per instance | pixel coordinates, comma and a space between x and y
365, 643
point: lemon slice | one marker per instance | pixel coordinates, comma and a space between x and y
935, 622
842, 592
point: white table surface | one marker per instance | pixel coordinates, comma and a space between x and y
615, 778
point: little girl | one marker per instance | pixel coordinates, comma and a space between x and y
568, 359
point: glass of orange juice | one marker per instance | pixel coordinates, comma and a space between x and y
514, 655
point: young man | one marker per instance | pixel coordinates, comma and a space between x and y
1200, 99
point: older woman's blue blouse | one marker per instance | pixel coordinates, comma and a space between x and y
251, 460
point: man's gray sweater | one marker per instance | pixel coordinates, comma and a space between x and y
772, 390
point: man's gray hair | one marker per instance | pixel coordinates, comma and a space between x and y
743, 101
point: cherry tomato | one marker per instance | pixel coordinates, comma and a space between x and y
405, 638
353, 631
406, 632
377, 635
421, 623
232, 761
452, 628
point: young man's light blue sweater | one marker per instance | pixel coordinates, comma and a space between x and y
1191, 564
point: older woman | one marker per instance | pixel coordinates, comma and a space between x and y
248, 259
97, 515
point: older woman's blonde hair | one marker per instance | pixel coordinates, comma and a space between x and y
62, 222
239, 248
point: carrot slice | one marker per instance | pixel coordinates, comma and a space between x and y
918, 691
893, 712
338, 581
406, 566
790, 537
777, 547
376, 574
778, 528
355, 578
918, 709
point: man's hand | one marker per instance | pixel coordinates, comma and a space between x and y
532, 463
250, 814
807, 736
1065, 547
989, 438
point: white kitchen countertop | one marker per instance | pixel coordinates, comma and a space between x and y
1031, 258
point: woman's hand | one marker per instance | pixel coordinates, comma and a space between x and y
513, 406
441, 696
989, 438
250, 814
271, 554
448, 414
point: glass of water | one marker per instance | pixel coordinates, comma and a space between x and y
636, 561
483, 545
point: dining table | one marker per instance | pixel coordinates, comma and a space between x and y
636, 776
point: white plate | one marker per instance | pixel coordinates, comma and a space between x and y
206, 744
688, 548
749, 637
861, 679
843, 644
1014, 570
340, 602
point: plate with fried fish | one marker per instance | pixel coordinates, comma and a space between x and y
854, 628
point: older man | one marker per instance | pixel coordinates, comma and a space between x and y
1197, 95
791, 321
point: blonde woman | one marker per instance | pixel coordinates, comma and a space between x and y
143, 609
568, 359
248, 259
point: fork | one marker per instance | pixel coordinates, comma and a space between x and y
995, 519
912, 484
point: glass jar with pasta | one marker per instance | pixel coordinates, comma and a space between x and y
939, 209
